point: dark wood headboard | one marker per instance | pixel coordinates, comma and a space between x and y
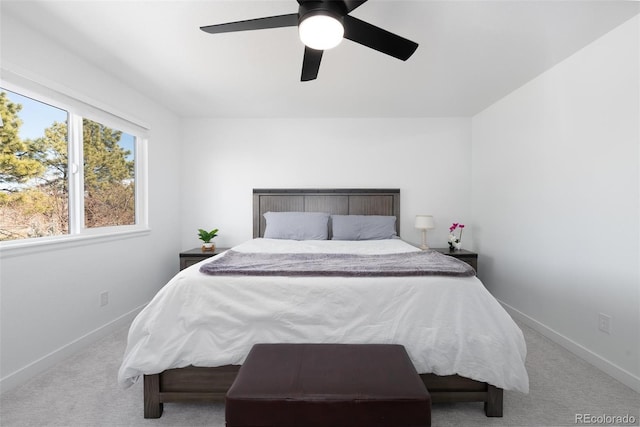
340, 201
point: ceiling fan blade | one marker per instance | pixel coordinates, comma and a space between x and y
290, 20
310, 64
377, 38
352, 4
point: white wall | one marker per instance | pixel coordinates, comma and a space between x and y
50, 298
555, 201
224, 159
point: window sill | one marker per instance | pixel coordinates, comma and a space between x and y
29, 246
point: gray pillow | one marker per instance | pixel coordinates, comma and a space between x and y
297, 225
363, 227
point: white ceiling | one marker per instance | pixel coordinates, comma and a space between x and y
471, 53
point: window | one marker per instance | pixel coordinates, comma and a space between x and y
67, 169
33, 168
109, 179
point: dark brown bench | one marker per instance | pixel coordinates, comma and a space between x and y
327, 385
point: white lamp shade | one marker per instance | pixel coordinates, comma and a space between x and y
424, 222
321, 32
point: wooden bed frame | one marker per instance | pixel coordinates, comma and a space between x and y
205, 384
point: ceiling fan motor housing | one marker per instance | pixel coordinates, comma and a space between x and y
334, 9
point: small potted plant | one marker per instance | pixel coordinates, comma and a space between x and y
206, 236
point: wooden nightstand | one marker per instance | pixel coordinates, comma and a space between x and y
469, 257
195, 255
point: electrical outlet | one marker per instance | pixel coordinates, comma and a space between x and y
604, 323
104, 298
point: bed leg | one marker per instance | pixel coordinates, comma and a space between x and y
493, 405
152, 405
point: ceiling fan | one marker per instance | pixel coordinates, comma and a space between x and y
322, 25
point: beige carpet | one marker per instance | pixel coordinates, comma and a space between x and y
76, 393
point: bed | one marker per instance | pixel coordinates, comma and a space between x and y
190, 341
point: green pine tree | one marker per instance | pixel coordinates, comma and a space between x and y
19, 160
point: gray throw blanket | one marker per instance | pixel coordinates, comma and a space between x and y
423, 263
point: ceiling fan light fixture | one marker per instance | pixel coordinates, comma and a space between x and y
320, 31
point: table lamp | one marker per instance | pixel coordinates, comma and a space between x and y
424, 223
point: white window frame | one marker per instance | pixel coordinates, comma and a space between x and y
78, 109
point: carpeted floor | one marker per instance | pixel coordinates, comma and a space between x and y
76, 393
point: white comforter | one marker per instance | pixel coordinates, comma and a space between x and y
449, 325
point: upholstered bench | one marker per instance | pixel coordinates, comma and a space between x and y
327, 385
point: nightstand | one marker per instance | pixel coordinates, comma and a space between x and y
469, 257
195, 255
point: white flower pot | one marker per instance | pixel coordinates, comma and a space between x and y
208, 247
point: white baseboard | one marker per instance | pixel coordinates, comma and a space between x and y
611, 369
22, 375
